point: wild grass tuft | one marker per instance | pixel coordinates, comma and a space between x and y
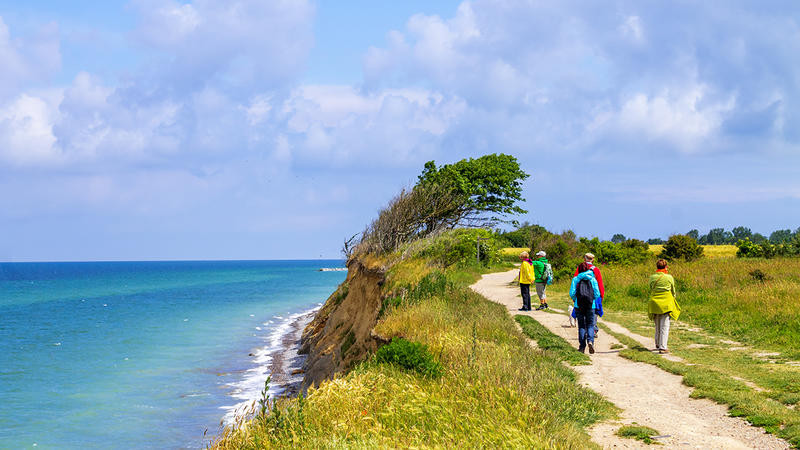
638, 432
553, 345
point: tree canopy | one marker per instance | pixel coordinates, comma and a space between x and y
488, 187
471, 193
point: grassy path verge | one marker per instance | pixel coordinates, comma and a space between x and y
646, 394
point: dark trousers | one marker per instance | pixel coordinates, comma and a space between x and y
586, 322
525, 290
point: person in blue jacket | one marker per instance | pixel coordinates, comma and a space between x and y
585, 294
598, 312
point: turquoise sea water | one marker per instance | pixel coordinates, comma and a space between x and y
140, 354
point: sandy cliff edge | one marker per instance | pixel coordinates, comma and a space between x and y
341, 332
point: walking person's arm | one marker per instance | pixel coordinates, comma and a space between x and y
599, 281
672, 288
572, 288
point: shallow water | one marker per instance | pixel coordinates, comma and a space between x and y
140, 354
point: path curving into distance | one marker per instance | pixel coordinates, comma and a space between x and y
689, 423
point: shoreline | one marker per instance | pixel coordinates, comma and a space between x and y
286, 367
277, 360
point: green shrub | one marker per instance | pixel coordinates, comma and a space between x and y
681, 246
412, 356
765, 249
748, 249
631, 251
523, 236
460, 247
759, 275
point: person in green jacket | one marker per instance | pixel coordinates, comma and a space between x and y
541, 284
662, 305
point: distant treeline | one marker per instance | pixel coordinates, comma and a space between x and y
721, 236
565, 249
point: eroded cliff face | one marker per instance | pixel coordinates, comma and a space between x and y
341, 333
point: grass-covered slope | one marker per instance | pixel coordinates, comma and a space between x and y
490, 388
755, 301
738, 333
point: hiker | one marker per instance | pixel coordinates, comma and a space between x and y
589, 259
540, 268
585, 293
662, 305
526, 276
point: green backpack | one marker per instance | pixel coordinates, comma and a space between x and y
547, 276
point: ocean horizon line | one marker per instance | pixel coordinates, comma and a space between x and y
166, 260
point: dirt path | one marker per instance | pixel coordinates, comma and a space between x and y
687, 423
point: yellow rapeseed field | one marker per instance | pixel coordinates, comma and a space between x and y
709, 251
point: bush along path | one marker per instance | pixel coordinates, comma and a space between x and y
647, 395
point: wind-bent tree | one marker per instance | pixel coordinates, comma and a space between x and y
471, 192
488, 189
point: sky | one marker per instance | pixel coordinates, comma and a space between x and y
147, 130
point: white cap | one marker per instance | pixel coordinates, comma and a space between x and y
541, 253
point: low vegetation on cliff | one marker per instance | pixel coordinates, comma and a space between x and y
468, 375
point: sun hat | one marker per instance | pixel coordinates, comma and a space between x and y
541, 253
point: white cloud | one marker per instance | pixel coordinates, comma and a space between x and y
241, 43
628, 71
684, 120
342, 125
631, 28
26, 133
23, 60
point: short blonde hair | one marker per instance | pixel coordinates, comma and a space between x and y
588, 257
524, 255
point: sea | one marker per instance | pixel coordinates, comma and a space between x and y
144, 354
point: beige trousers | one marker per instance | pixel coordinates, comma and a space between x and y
662, 330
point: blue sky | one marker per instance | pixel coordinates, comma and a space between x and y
146, 129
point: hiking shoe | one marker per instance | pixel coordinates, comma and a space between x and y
541, 307
524, 309
591, 348
545, 305
582, 350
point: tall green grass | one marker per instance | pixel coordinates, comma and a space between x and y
722, 297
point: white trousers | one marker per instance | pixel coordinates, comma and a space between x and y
662, 330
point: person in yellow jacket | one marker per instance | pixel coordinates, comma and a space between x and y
662, 305
526, 277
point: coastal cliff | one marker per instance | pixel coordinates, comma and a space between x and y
341, 333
